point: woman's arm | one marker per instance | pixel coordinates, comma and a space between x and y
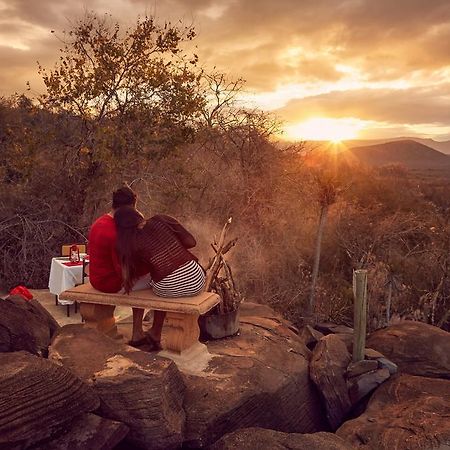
183, 235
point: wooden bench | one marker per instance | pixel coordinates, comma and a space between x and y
181, 324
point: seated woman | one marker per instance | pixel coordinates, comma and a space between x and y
159, 244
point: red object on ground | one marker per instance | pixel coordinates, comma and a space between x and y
22, 291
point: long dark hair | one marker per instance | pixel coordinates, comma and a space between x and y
127, 220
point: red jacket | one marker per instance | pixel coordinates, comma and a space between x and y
105, 273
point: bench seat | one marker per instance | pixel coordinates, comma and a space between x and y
182, 313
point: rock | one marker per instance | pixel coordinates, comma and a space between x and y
259, 438
357, 368
332, 328
310, 336
258, 378
329, 363
405, 413
137, 388
370, 353
87, 432
25, 325
417, 348
365, 383
37, 399
385, 363
347, 338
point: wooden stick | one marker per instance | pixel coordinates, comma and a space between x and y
216, 260
360, 313
226, 248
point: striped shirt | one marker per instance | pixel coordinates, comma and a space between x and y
186, 281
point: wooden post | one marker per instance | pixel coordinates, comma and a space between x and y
360, 313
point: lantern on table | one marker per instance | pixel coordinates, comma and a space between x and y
74, 254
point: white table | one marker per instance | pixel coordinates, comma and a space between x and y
63, 277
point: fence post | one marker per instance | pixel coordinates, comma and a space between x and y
359, 314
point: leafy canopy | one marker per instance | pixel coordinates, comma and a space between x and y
140, 73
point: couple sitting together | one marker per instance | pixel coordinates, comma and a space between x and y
128, 252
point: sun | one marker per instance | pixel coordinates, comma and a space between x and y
324, 129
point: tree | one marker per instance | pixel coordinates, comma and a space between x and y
326, 195
136, 92
136, 87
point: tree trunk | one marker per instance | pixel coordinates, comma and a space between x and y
315, 272
388, 302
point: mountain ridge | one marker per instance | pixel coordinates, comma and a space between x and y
409, 153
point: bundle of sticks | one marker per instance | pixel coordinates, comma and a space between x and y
219, 277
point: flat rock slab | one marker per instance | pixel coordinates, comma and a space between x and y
259, 438
329, 363
405, 413
87, 432
417, 348
360, 367
360, 386
25, 325
256, 379
38, 399
332, 328
137, 388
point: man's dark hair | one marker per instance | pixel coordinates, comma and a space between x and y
124, 196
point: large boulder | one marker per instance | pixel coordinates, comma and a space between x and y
259, 378
137, 388
38, 399
87, 432
25, 325
405, 413
259, 438
417, 348
329, 364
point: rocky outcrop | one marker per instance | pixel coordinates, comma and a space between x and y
259, 438
417, 348
87, 432
363, 384
256, 379
332, 328
405, 413
310, 336
38, 399
137, 388
329, 363
25, 325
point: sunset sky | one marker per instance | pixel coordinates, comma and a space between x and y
331, 69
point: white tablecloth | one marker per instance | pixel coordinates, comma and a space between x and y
63, 277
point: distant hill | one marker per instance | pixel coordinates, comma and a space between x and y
441, 146
409, 153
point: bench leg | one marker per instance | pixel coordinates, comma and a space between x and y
100, 317
181, 332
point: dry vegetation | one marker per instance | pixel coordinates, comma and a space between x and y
204, 159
